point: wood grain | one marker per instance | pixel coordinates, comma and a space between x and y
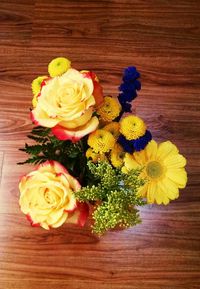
162, 39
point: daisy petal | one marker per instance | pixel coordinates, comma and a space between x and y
171, 189
166, 148
175, 161
161, 198
142, 192
140, 157
130, 162
159, 194
151, 192
151, 150
178, 176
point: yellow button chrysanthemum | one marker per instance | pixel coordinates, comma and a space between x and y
113, 128
132, 127
101, 141
58, 66
95, 157
36, 84
117, 156
110, 109
36, 87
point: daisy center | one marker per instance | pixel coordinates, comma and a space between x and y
154, 169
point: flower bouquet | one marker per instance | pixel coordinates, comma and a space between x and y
94, 157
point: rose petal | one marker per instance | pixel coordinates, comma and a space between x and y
80, 215
75, 135
31, 221
53, 165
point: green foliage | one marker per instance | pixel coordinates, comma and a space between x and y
48, 147
116, 194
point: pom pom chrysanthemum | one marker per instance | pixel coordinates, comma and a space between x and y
110, 109
36, 87
36, 84
95, 157
117, 156
58, 66
132, 127
113, 128
101, 141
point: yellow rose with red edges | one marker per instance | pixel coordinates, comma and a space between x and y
66, 104
47, 197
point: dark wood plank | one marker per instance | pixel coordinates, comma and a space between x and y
162, 39
16, 21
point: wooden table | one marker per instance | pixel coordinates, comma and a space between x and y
161, 38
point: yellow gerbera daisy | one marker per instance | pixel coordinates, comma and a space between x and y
58, 66
117, 156
163, 169
101, 141
132, 127
110, 109
113, 128
90, 154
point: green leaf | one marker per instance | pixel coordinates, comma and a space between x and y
41, 131
37, 138
33, 160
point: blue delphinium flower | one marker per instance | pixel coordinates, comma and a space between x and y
126, 144
130, 73
138, 144
141, 142
127, 97
129, 88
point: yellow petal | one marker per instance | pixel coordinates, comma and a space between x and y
151, 150
142, 192
174, 161
40, 117
140, 157
178, 176
74, 184
171, 189
34, 101
129, 162
124, 170
71, 205
156, 194
60, 221
90, 102
151, 192
44, 225
55, 216
166, 148
160, 195
65, 134
82, 120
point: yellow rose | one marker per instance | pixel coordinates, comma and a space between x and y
66, 104
47, 197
